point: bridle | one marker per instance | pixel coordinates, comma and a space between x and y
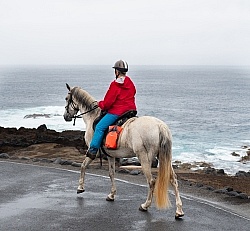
76, 109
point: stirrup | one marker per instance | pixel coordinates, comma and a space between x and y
92, 156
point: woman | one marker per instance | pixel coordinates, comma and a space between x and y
119, 99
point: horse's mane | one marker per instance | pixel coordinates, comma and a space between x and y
83, 98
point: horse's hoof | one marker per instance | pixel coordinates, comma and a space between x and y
109, 199
142, 209
178, 216
80, 191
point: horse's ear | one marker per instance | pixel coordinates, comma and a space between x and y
67, 85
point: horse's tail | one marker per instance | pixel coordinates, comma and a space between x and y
163, 178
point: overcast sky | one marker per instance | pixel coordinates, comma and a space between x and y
168, 32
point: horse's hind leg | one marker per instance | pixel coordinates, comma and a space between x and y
85, 163
111, 196
173, 179
146, 168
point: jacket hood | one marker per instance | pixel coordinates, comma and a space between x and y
123, 81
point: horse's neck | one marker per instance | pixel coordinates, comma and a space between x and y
89, 119
85, 103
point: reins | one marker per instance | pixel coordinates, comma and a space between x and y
80, 115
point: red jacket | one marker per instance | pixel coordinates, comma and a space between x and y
119, 98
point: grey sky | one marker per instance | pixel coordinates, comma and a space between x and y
171, 32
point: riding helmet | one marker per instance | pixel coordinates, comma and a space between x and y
121, 65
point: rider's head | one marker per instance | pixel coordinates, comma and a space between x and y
121, 67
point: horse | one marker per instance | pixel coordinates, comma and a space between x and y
145, 137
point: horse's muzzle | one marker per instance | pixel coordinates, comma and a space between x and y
67, 117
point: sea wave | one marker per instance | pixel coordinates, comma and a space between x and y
51, 116
218, 157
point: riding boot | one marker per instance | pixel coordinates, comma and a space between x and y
91, 153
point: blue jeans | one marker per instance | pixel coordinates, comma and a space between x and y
103, 124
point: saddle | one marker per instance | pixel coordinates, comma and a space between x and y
119, 122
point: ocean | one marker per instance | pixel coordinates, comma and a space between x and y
207, 108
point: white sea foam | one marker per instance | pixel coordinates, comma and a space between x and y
219, 158
16, 118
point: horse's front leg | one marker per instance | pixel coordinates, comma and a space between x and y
173, 180
84, 165
111, 196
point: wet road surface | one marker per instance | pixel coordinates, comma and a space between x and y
43, 198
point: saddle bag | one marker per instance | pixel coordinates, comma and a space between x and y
112, 136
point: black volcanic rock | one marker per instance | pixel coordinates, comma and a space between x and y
14, 139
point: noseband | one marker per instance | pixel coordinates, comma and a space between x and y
75, 108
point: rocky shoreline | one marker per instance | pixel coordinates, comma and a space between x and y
66, 149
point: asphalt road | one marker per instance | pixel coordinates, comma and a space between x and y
43, 198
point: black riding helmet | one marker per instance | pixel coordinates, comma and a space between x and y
121, 66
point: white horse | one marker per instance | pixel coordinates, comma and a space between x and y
145, 137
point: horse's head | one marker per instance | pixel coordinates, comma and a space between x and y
71, 107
